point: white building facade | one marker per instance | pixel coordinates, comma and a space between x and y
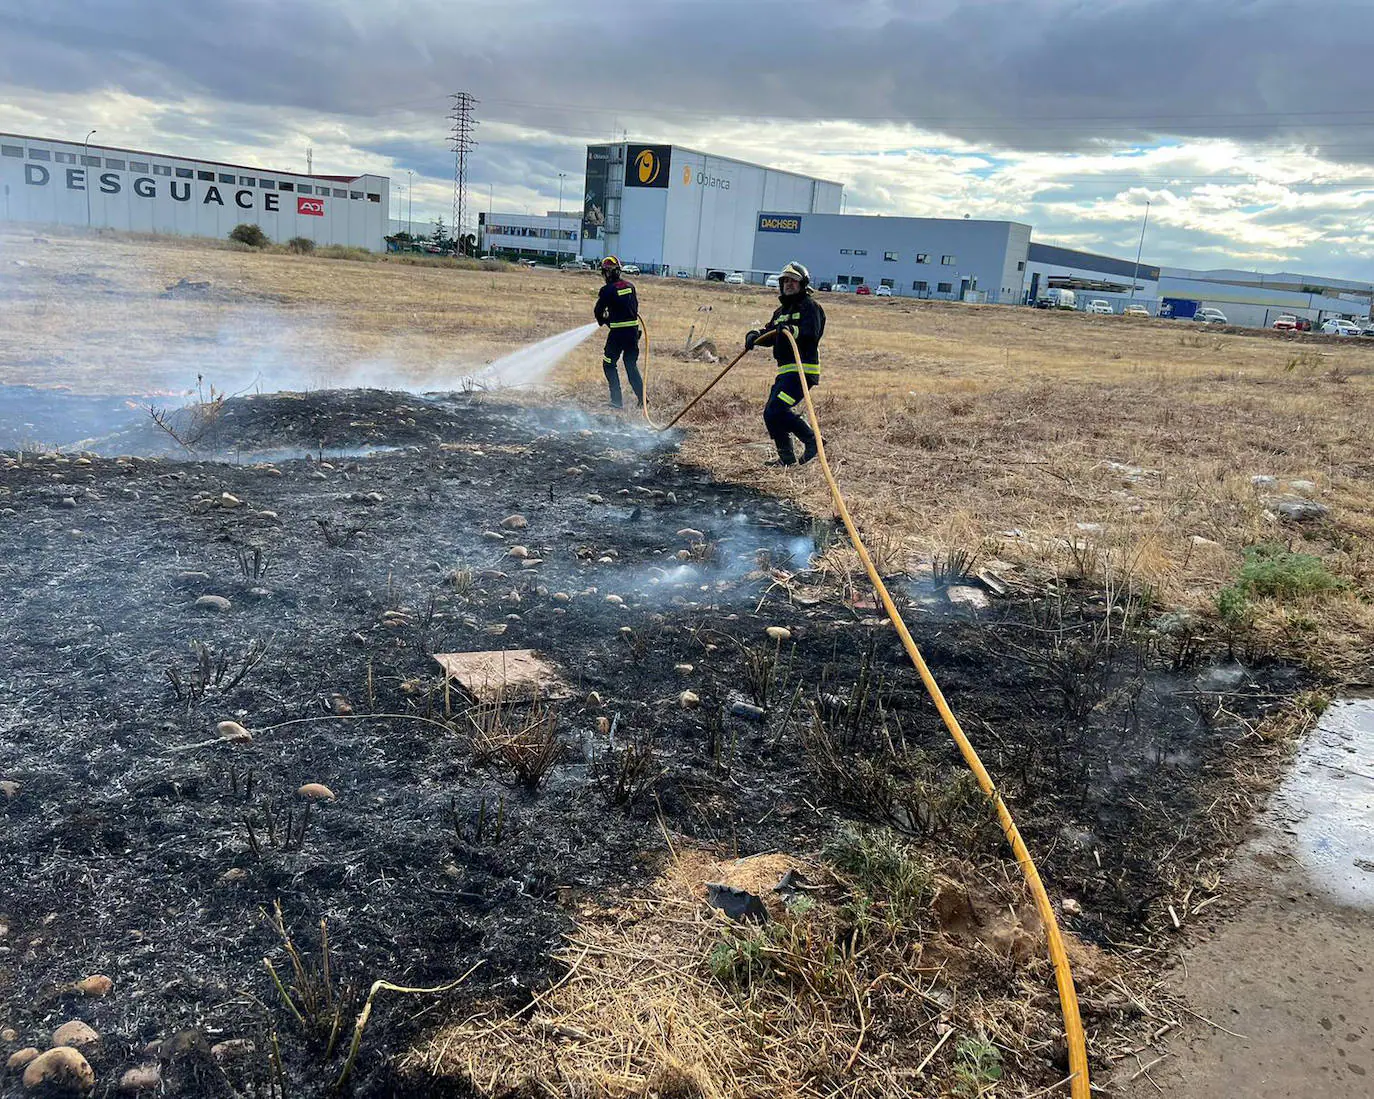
670, 209
552, 237
51, 182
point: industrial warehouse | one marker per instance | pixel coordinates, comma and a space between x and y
71, 183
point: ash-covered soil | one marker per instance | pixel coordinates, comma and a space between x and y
137, 845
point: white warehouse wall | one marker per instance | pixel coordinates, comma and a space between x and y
50, 182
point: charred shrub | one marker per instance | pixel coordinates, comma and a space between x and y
628, 772
884, 871
522, 740
302, 246
251, 235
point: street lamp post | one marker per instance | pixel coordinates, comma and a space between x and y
558, 230
410, 200
86, 177
1136, 274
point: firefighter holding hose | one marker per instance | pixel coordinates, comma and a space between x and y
617, 307
803, 317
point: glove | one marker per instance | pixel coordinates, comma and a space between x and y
750, 338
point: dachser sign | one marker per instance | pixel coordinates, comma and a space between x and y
772, 223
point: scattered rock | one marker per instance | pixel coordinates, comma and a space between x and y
593, 700
689, 700
1304, 488
1264, 481
75, 1034
493, 536
316, 475
965, 596
231, 1049
683, 555
1070, 907
748, 711
593, 498
692, 534
1296, 509
62, 1068
216, 604
519, 552
615, 600
340, 706
316, 792
779, 633
21, 1057
561, 597
180, 1044
9, 788
68, 502
233, 732
191, 579
514, 522
97, 986
603, 725
233, 875
9, 1034
1204, 543
683, 669
142, 1078
229, 500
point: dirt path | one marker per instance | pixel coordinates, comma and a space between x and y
1293, 971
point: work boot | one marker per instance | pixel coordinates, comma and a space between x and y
809, 451
785, 457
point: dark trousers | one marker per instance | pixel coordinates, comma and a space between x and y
785, 414
623, 341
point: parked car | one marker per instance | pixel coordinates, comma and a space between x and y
883, 292
862, 289
1286, 322
1100, 307
843, 288
715, 276
681, 275
1208, 315
1338, 327
1135, 311
574, 265
825, 287
771, 282
629, 269
734, 279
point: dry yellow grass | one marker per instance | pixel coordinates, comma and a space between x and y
950, 426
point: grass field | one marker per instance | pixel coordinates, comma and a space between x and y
1119, 447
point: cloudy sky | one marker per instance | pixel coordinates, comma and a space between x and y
1247, 124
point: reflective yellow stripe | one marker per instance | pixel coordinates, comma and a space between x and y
786, 399
812, 369
624, 324
627, 290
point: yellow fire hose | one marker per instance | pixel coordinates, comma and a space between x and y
1063, 976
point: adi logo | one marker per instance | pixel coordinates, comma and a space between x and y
647, 165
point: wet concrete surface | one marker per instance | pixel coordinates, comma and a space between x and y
1290, 977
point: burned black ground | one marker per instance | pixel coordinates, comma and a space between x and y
128, 853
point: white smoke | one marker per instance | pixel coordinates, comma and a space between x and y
531, 364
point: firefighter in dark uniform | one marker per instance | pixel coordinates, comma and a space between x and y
617, 307
801, 315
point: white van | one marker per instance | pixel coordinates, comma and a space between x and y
1055, 298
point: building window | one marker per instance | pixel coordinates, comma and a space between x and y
374, 198
39, 154
888, 283
117, 165
355, 194
161, 170
14, 150
946, 261
945, 287
64, 158
90, 162
1021, 266
270, 184
138, 165
921, 287
339, 192
922, 257
891, 257
185, 173
285, 186
247, 181
208, 177
227, 177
